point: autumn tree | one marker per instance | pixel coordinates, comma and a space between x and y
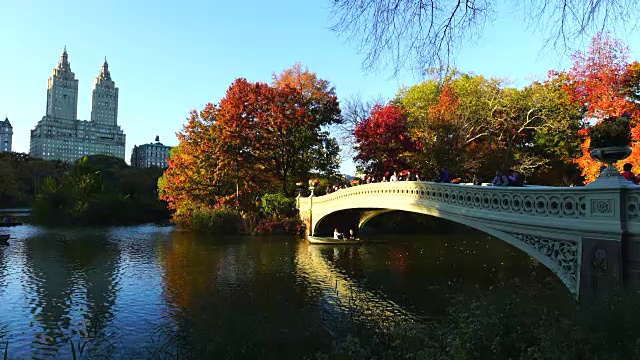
240, 169
259, 138
319, 96
475, 125
321, 103
631, 82
189, 183
383, 142
289, 137
454, 120
600, 82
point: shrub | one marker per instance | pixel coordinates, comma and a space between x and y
293, 226
500, 326
613, 131
276, 205
222, 221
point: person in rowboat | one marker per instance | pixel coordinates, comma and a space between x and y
338, 235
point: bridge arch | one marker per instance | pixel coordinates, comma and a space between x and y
560, 256
579, 233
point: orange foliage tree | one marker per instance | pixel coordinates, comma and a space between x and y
183, 186
321, 102
258, 139
599, 81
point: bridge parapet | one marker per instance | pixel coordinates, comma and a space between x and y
531, 201
562, 227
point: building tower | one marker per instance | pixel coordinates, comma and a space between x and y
104, 99
6, 135
60, 135
62, 91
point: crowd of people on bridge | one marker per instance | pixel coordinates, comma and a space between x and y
511, 178
407, 175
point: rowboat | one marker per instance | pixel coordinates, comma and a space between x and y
8, 224
331, 241
4, 239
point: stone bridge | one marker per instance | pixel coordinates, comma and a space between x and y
588, 236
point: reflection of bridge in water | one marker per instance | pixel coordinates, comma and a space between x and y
588, 236
341, 293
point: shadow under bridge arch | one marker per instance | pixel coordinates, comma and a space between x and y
558, 254
345, 220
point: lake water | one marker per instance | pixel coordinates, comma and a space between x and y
158, 292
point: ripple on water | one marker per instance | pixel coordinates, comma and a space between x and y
145, 283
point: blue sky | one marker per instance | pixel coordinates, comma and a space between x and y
170, 57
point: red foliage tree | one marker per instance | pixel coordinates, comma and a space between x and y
258, 139
382, 140
599, 82
285, 129
239, 167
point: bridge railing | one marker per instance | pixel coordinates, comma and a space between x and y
608, 209
566, 202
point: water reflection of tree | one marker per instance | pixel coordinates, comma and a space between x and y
428, 270
240, 299
71, 278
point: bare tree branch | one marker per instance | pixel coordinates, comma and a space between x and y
426, 34
354, 111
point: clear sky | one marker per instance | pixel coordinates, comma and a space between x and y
168, 57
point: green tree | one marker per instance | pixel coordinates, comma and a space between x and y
100, 190
276, 205
475, 125
9, 190
556, 134
456, 121
21, 177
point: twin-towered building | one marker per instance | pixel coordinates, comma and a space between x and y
59, 135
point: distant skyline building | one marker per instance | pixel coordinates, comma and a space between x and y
152, 154
6, 135
59, 135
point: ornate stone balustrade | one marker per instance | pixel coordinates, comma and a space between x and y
536, 201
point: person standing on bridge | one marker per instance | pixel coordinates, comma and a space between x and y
443, 176
476, 180
627, 174
500, 179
